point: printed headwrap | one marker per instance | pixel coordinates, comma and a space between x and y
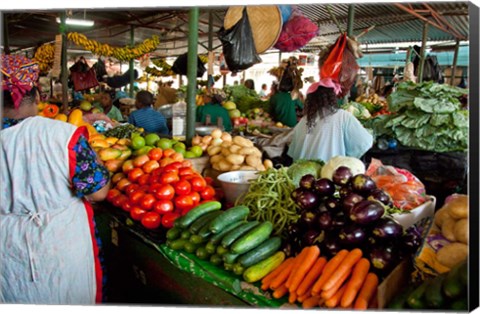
325, 82
19, 75
216, 93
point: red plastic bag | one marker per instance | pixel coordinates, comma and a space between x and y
405, 189
348, 72
333, 64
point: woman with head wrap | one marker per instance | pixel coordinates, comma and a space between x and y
49, 176
326, 131
213, 99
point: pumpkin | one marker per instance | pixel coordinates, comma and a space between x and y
50, 111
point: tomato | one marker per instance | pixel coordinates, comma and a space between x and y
117, 177
119, 200
137, 213
165, 192
185, 171
139, 161
168, 219
112, 193
178, 157
198, 183
154, 188
150, 165
134, 174
136, 196
131, 188
147, 201
208, 193
195, 197
155, 153
187, 163
209, 180
165, 161
122, 184
127, 166
144, 179
182, 187
163, 206
170, 168
145, 188
169, 177
151, 220
168, 152
127, 205
183, 203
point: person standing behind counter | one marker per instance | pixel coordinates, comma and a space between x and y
146, 117
326, 131
213, 107
283, 107
108, 108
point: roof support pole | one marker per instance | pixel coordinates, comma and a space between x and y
6, 46
454, 65
210, 46
131, 62
64, 70
422, 52
351, 19
192, 71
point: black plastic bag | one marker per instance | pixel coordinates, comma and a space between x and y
118, 81
180, 65
238, 45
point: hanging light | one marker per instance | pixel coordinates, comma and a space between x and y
78, 22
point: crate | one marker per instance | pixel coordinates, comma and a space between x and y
427, 209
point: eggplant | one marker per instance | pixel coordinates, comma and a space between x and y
381, 196
366, 212
350, 200
387, 228
311, 237
293, 230
332, 204
330, 245
352, 235
362, 184
325, 220
307, 181
410, 242
307, 199
324, 187
308, 218
384, 258
342, 175
344, 191
339, 220
295, 193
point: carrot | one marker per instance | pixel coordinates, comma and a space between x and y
367, 292
359, 273
267, 280
308, 261
311, 302
280, 292
281, 277
373, 303
312, 275
328, 270
335, 299
292, 297
298, 261
350, 260
306, 295
327, 294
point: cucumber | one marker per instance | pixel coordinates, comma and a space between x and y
261, 269
252, 238
266, 249
202, 253
202, 221
231, 215
238, 269
399, 302
210, 247
216, 259
177, 244
196, 239
452, 286
416, 298
199, 210
190, 247
236, 233
221, 250
173, 233
216, 238
185, 234
433, 293
228, 266
230, 258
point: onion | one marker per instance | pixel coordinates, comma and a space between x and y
207, 139
196, 140
203, 146
216, 142
217, 133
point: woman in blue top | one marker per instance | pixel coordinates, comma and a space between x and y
146, 117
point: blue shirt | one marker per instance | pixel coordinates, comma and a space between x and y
149, 119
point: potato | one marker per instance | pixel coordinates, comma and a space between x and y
267, 163
213, 150
440, 216
448, 229
452, 254
226, 137
247, 168
235, 167
461, 230
257, 152
246, 150
225, 152
458, 206
227, 144
252, 160
216, 158
235, 159
216, 142
216, 166
217, 133
224, 165
261, 167
235, 149
242, 141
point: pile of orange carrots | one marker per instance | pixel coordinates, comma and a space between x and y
344, 281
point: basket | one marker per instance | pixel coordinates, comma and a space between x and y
265, 21
236, 183
199, 164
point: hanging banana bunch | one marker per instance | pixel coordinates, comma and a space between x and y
120, 53
159, 73
45, 55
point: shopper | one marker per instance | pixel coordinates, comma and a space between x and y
166, 94
325, 131
250, 84
213, 99
263, 92
109, 109
283, 107
146, 117
49, 176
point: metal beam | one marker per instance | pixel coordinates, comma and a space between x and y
444, 21
454, 65
192, 71
6, 46
422, 52
131, 62
351, 19
210, 45
64, 71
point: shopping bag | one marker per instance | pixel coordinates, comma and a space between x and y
238, 45
332, 65
82, 76
348, 72
180, 65
296, 33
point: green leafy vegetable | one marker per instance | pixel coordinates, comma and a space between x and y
302, 167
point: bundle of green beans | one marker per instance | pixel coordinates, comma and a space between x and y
269, 199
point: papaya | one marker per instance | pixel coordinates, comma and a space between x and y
76, 117
50, 111
124, 141
125, 154
62, 117
99, 143
111, 140
109, 153
120, 147
113, 165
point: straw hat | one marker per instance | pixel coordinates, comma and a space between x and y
265, 21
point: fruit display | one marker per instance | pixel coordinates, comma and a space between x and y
112, 151
226, 238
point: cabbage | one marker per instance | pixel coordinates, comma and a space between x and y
355, 165
302, 167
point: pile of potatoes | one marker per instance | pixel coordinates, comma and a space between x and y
452, 220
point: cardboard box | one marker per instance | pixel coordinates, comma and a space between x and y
393, 284
427, 209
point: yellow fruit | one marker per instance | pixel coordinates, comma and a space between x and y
76, 117
62, 117
124, 141
97, 136
99, 143
109, 153
111, 140
125, 154
120, 146
113, 165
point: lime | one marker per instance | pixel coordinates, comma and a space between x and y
164, 143
151, 139
197, 150
189, 154
142, 151
180, 150
179, 145
137, 142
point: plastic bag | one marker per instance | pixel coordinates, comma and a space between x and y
238, 45
180, 65
333, 64
348, 72
296, 33
406, 190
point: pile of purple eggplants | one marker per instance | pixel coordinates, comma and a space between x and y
349, 212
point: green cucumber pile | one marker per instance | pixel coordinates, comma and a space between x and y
228, 239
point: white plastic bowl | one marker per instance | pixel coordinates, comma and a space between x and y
236, 183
